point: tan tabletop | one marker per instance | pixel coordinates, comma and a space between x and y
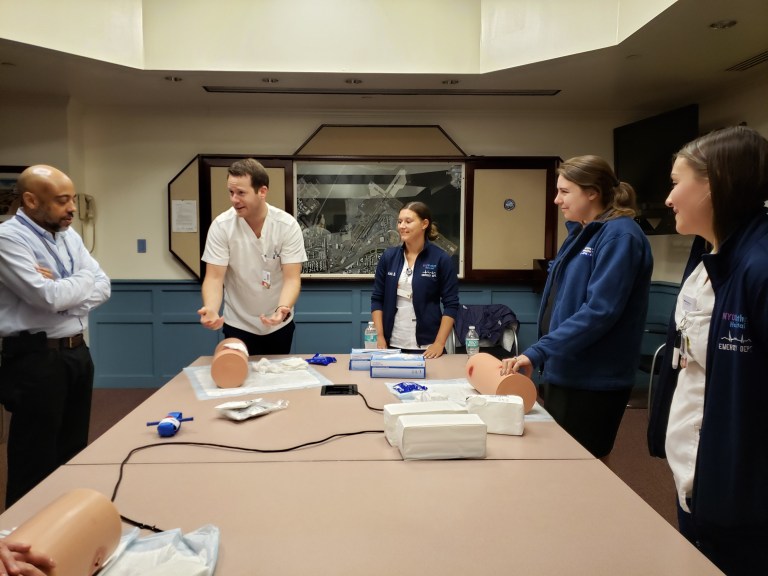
309, 417
352, 518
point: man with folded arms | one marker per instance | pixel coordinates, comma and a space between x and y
48, 285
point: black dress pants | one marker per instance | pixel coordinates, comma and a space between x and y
278, 342
592, 417
48, 392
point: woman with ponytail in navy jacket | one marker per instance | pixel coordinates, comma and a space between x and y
593, 307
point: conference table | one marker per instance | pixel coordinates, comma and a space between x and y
308, 417
538, 504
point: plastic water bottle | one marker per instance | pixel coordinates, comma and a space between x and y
370, 336
472, 341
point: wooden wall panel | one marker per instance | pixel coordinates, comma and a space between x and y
508, 239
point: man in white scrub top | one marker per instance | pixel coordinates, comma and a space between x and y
253, 255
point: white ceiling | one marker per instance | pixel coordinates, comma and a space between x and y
675, 60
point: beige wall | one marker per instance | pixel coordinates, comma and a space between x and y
746, 104
125, 157
130, 155
34, 131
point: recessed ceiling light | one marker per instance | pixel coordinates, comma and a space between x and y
353, 81
174, 78
723, 24
451, 81
270, 80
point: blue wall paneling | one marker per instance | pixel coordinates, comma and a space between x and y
148, 331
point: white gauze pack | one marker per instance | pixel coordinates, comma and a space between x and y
393, 411
502, 414
441, 436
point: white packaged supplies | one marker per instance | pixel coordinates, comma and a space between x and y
441, 436
393, 411
502, 414
398, 360
399, 372
244, 409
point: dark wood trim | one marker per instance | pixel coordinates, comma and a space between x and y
170, 215
13, 169
548, 163
311, 137
322, 126
550, 216
469, 214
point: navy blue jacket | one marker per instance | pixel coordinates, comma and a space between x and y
434, 280
490, 321
730, 487
603, 275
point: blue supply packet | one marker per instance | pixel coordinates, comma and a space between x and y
405, 387
322, 360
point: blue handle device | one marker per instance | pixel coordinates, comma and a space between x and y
169, 425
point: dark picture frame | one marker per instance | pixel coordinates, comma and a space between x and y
477, 203
9, 196
348, 211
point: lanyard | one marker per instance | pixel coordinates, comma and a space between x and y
63, 272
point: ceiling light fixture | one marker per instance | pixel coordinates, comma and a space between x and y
723, 24
379, 91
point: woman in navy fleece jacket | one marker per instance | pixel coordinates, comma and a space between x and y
593, 307
708, 412
410, 283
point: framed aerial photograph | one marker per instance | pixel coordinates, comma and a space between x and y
348, 211
9, 198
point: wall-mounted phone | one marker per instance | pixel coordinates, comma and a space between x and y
86, 207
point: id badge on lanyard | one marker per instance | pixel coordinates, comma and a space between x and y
682, 342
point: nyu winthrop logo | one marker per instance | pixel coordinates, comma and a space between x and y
735, 341
587, 251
